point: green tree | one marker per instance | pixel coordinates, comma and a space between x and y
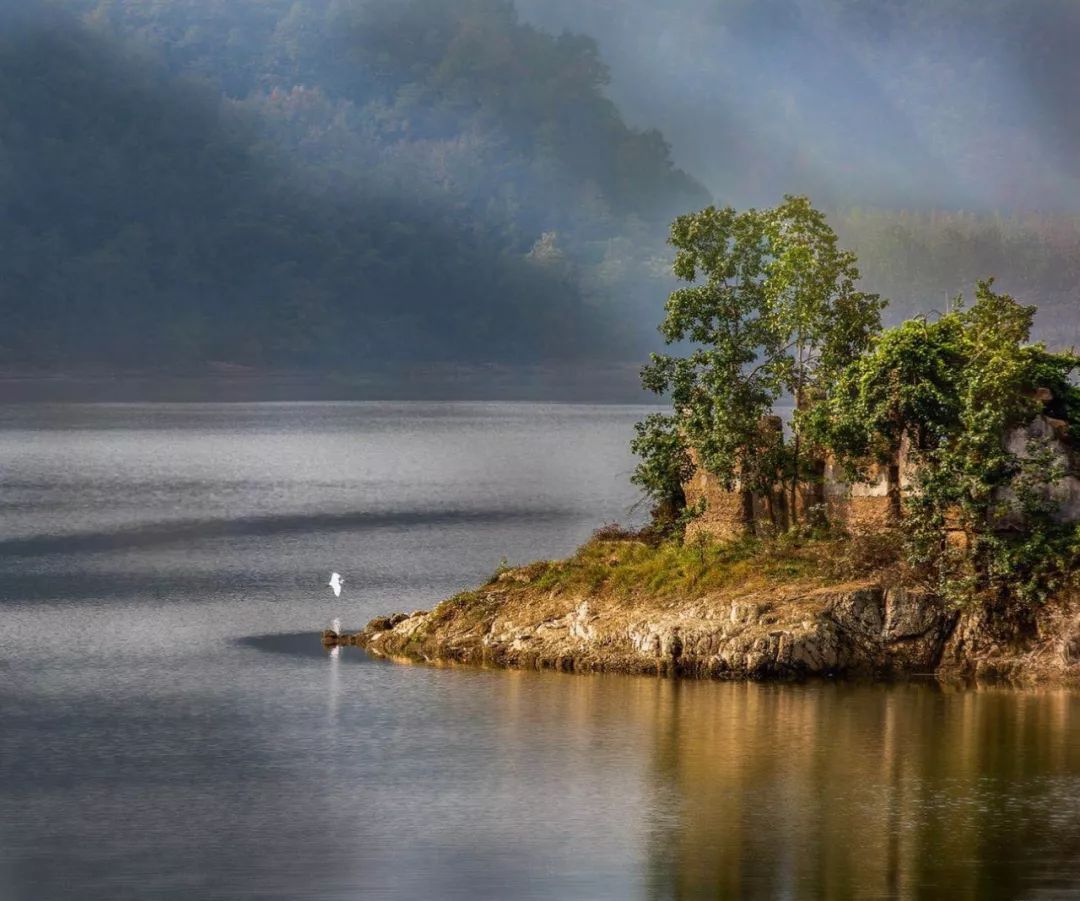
955, 388
770, 306
664, 468
816, 311
904, 385
728, 381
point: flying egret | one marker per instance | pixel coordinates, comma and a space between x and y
336, 582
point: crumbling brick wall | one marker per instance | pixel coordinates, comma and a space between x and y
871, 504
725, 515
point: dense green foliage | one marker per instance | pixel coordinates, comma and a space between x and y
771, 308
906, 386
955, 388
664, 468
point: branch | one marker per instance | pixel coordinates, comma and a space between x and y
769, 361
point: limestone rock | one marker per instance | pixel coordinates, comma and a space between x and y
1070, 645
860, 611
911, 613
850, 629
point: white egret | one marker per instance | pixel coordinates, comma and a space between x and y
336, 582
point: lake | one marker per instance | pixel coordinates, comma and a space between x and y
170, 726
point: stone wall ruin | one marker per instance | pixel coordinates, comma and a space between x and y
864, 506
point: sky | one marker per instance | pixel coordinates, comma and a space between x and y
962, 103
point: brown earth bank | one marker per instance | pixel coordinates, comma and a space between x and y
758, 622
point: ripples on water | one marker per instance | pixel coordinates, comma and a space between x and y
170, 726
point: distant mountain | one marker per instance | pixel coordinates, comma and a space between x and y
399, 181
358, 184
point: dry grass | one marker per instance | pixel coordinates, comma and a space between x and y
870, 552
628, 569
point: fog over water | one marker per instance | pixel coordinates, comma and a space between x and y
172, 728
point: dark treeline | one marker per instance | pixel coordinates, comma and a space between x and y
350, 183
341, 184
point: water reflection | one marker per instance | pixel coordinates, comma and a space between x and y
304, 644
156, 753
718, 790
832, 791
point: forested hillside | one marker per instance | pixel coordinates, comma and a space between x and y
943, 137
922, 260
352, 183
387, 182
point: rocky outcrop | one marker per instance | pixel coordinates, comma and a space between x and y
858, 629
1047, 648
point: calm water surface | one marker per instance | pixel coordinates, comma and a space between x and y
171, 728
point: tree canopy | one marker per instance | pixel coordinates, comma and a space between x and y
956, 387
771, 308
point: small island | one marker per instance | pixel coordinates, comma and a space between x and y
915, 516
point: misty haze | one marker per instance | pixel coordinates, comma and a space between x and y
683, 396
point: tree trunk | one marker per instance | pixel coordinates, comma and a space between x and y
746, 498
892, 475
794, 512
784, 513
893, 489
795, 479
814, 492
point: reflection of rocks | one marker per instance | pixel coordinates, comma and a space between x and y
1070, 647
857, 629
857, 792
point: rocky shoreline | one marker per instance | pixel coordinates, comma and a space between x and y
860, 629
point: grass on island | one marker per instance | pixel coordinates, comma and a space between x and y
617, 564
630, 568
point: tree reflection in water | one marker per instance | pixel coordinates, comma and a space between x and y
834, 790
867, 791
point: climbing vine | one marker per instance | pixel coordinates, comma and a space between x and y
981, 520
